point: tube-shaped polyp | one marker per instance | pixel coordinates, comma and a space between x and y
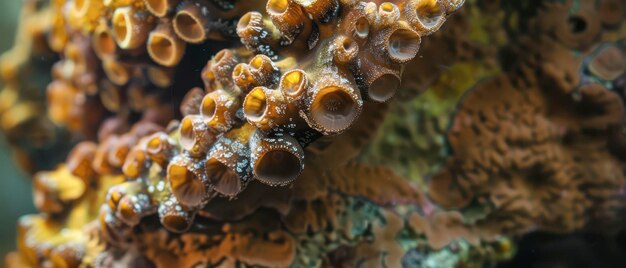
119, 151
130, 27
345, 49
218, 71
242, 75
160, 76
228, 167
356, 23
190, 104
294, 85
160, 8
175, 216
195, 136
378, 82
218, 109
160, 148
260, 71
101, 159
333, 105
85, 10
276, 160
388, 13
400, 42
103, 42
264, 70
188, 181
288, 16
135, 163
111, 96
118, 73
164, 46
253, 32
79, 159
191, 23
267, 108
133, 207
383, 87
426, 15
117, 192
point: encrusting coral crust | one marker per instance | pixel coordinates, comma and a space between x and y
538, 147
412, 137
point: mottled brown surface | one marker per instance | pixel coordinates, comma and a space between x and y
534, 147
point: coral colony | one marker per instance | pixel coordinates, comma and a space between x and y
233, 133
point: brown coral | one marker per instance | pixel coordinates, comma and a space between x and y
528, 146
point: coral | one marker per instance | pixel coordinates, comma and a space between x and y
453, 141
412, 138
205, 183
265, 134
538, 146
279, 121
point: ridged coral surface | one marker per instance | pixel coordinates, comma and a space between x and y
539, 146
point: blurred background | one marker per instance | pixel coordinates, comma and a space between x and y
15, 194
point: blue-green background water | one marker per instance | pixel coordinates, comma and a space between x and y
15, 193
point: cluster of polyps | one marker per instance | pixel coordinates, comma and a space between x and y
312, 67
121, 56
320, 92
252, 120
